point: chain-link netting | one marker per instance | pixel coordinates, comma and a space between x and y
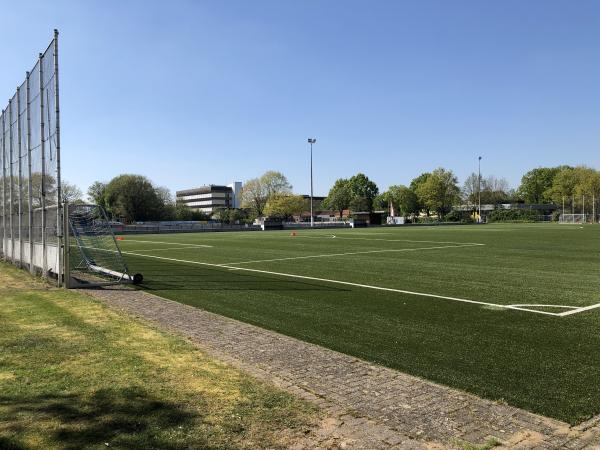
94, 254
30, 210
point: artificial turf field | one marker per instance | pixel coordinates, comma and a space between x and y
503, 311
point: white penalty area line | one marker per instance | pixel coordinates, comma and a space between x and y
579, 310
330, 255
367, 286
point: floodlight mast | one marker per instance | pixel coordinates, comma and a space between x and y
311, 141
479, 188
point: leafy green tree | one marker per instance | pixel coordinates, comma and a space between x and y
537, 184
381, 202
254, 196
132, 198
564, 184
575, 183
275, 183
164, 194
415, 184
257, 191
439, 191
179, 211
95, 193
339, 196
589, 182
403, 199
231, 215
363, 192
360, 204
285, 206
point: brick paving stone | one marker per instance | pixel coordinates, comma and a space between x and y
366, 406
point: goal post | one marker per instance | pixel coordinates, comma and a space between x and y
92, 254
574, 219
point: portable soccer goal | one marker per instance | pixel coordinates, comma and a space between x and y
574, 218
93, 256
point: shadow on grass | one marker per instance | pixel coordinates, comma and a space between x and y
125, 418
169, 276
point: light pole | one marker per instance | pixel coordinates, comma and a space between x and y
479, 188
311, 141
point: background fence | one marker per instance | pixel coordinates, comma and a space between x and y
31, 211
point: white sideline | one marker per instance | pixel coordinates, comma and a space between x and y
326, 255
168, 243
347, 283
337, 236
173, 248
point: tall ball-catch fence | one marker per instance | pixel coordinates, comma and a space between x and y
31, 226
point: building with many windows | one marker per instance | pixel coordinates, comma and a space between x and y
208, 199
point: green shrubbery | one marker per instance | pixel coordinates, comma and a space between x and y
459, 216
513, 215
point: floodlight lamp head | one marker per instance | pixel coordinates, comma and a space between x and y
312, 141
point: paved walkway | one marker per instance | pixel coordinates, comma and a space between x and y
367, 406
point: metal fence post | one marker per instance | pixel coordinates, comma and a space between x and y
3, 187
43, 174
59, 222
66, 256
29, 180
11, 181
19, 145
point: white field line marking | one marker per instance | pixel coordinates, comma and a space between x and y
329, 255
167, 243
546, 306
519, 308
346, 283
173, 248
578, 310
337, 236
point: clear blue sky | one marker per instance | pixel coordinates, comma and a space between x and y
195, 92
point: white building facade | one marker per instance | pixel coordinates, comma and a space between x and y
208, 199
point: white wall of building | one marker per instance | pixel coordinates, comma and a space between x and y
236, 186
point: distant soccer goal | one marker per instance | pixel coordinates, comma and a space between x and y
93, 255
574, 218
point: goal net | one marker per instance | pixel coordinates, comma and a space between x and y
574, 218
94, 256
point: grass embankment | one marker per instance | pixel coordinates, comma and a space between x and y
74, 374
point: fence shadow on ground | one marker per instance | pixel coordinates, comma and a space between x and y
168, 276
129, 418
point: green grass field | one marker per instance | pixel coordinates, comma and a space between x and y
503, 311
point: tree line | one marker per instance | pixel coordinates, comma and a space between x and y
436, 192
136, 198
132, 198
